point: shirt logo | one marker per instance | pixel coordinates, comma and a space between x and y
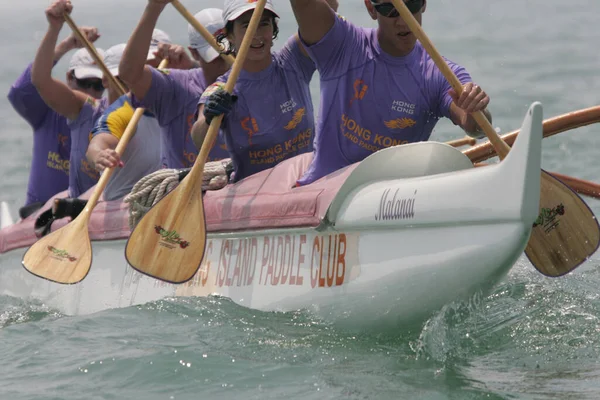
250, 126
400, 123
62, 139
360, 89
296, 119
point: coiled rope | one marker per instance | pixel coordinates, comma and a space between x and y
153, 187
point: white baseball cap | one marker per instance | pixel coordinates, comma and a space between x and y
212, 20
113, 57
83, 65
158, 36
234, 8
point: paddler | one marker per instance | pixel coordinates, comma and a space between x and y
269, 117
172, 94
379, 87
49, 173
141, 157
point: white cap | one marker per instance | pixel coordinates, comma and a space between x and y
113, 58
234, 8
212, 20
158, 36
83, 65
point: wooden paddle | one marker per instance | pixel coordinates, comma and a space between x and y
169, 241
467, 140
202, 31
566, 232
552, 126
587, 188
65, 256
92, 50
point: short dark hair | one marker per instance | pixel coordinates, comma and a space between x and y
228, 46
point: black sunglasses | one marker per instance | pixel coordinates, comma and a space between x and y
388, 9
96, 84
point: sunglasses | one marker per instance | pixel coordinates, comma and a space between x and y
388, 9
95, 84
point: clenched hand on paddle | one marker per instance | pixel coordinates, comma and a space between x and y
566, 232
169, 241
65, 256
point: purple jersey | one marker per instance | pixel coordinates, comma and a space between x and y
371, 100
173, 98
82, 175
272, 119
49, 172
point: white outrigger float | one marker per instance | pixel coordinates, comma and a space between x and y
384, 241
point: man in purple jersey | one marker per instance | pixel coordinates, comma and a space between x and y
172, 94
49, 172
379, 87
80, 109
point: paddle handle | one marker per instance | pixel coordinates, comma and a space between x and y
203, 31
123, 142
92, 50
213, 129
467, 140
501, 148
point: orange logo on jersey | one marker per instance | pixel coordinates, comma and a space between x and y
223, 146
251, 130
400, 123
62, 139
296, 119
360, 89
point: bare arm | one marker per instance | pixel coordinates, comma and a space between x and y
101, 151
200, 128
133, 69
315, 18
56, 94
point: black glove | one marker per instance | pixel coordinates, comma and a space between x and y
219, 103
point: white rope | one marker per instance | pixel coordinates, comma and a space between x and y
151, 188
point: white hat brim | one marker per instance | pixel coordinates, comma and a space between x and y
207, 53
249, 7
87, 72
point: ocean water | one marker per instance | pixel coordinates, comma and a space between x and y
531, 338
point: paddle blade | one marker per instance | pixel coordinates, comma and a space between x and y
566, 232
63, 256
169, 242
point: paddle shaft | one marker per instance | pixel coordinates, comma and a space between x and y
202, 31
501, 148
211, 135
462, 142
123, 142
92, 50
169, 242
552, 126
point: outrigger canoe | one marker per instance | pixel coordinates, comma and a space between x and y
385, 241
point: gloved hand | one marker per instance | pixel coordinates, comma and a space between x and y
219, 102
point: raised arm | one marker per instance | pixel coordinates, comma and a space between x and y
315, 18
133, 69
55, 93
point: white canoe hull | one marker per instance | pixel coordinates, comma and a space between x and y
393, 250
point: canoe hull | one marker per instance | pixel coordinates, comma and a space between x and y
411, 228
357, 279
